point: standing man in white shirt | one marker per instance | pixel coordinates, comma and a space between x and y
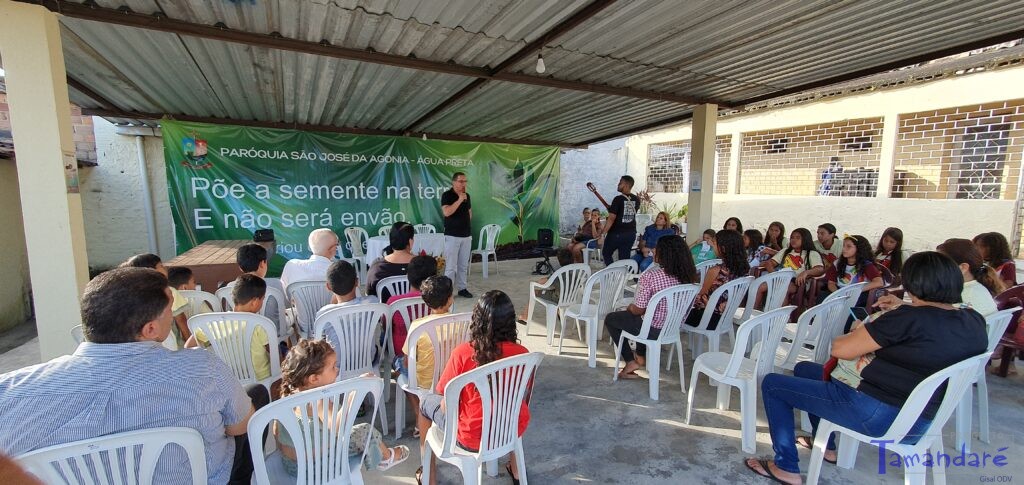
458, 241
323, 243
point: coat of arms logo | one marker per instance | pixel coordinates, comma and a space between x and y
195, 152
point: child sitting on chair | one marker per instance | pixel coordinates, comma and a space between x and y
311, 364
436, 292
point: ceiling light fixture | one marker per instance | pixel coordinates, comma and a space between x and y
424, 137
540, 64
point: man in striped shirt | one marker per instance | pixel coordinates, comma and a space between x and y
122, 379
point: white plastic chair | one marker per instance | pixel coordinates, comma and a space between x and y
384, 231
957, 377
591, 248
321, 446
356, 238
702, 268
444, 333
816, 328
230, 337
503, 385
197, 298
734, 291
486, 245
424, 229
776, 285
411, 309
642, 221
733, 369
307, 298
571, 279
286, 331
88, 461
629, 283
679, 300
355, 332
595, 306
395, 285
77, 334
996, 324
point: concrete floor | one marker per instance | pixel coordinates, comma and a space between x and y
587, 429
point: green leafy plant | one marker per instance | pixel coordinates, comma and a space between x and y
522, 203
674, 211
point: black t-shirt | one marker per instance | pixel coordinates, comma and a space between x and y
457, 224
916, 343
379, 270
625, 208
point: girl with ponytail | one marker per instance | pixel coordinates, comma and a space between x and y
981, 282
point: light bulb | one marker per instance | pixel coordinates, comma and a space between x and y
540, 64
424, 137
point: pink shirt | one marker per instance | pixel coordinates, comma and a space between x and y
650, 283
399, 330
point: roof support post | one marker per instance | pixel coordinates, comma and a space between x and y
702, 170
37, 93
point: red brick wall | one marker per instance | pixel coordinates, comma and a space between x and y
85, 140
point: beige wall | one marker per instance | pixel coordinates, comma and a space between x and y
115, 224
15, 289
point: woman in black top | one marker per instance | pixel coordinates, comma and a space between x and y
396, 262
879, 364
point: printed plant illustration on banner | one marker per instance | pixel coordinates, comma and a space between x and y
226, 181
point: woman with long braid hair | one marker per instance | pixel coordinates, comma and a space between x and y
676, 268
493, 336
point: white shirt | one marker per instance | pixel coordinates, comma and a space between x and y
312, 269
977, 296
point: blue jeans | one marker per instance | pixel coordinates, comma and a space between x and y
617, 241
832, 400
642, 262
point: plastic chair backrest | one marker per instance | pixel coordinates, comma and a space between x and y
77, 334
571, 279
818, 326
196, 298
356, 237
488, 237
957, 378
679, 299
224, 297
702, 268
850, 292
355, 330
776, 285
503, 386
997, 324
642, 221
307, 298
424, 229
411, 309
124, 455
321, 442
775, 321
734, 291
607, 281
445, 333
394, 285
230, 337
631, 271
1009, 298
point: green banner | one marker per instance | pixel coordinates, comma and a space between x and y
227, 181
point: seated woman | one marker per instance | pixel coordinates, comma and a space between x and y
729, 246
889, 252
880, 364
996, 252
800, 257
586, 233
676, 268
855, 264
645, 251
753, 246
493, 337
397, 262
981, 283
311, 364
775, 238
702, 250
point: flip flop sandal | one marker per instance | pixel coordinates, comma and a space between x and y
767, 471
629, 375
508, 468
806, 442
419, 476
394, 459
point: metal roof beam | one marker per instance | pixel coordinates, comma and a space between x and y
88, 92
275, 41
134, 115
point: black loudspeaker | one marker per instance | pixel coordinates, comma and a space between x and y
545, 238
263, 235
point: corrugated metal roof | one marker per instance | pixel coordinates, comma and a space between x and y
728, 50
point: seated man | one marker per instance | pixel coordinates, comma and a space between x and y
420, 268
179, 304
121, 379
323, 243
247, 295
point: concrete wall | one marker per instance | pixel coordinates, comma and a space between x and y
115, 224
14, 299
